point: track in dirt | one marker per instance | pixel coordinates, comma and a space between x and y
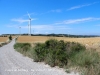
13, 63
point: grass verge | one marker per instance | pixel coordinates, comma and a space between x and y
63, 54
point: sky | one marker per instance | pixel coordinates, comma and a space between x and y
78, 17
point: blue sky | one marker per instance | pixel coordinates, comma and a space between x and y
81, 17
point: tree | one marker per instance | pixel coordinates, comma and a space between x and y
10, 37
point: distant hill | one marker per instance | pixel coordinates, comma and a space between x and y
55, 35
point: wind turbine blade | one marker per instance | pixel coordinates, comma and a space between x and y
28, 15
32, 19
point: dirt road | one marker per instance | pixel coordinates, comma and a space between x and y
13, 63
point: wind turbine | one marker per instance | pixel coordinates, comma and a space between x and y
28, 29
19, 30
29, 23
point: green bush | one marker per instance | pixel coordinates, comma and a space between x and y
51, 44
10, 37
73, 48
50, 58
39, 52
56, 53
60, 53
22, 47
61, 58
17, 45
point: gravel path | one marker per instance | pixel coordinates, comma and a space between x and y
13, 63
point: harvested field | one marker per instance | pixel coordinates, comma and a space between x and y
3, 39
34, 39
88, 42
14, 37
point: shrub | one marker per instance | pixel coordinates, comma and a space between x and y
56, 53
10, 37
4, 43
22, 47
39, 52
90, 60
26, 47
50, 58
17, 45
0, 45
60, 53
73, 48
61, 58
52, 52
51, 43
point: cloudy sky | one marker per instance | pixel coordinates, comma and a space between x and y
50, 16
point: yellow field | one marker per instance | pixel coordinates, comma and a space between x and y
3, 39
13, 37
34, 39
93, 43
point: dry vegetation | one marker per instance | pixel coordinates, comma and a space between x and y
3, 39
13, 37
70, 55
34, 39
88, 42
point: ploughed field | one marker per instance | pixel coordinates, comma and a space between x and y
93, 42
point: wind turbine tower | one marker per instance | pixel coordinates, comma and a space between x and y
29, 23
19, 30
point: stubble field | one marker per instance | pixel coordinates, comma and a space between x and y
93, 42
3, 39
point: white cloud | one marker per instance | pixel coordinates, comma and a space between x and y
53, 11
12, 26
57, 10
80, 6
77, 20
20, 20
39, 27
48, 27
30, 14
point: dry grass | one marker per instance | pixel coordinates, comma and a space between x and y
88, 42
3, 39
32, 39
14, 37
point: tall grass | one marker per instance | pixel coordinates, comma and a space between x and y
23, 48
60, 53
88, 62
